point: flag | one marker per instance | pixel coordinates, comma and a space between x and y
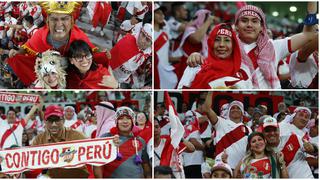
177, 130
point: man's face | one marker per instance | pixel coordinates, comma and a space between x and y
158, 17
11, 116
182, 13
143, 41
271, 134
60, 26
68, 113
125, 124
157, 129
235, 112
249, 28
54, 125
160, 109
301, 119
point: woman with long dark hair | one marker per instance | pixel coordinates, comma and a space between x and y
260, 160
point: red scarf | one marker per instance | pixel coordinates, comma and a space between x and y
215, 68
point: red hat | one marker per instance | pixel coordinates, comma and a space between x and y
53, 110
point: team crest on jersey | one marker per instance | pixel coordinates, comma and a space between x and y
68, 154
290, 147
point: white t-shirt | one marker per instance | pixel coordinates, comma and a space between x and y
235, 151
168, 79
15, 138
196, 157
302, 73
281, 51
286, 129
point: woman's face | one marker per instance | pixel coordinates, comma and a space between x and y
257, 144
51, 79
141, 118
222, 46
83, 62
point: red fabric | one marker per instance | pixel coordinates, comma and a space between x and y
126, 149
121, 13
167, 151
124, 50
156, 73
230, 138
215, 68
38, 42
102, 12
290, 148
33, 173
76, 124
27, 63
262, 165
252, 55
90, 79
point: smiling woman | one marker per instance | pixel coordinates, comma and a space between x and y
84, 73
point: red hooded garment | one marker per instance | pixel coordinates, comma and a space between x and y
23, 65
214, 67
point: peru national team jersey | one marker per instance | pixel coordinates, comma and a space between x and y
11, 137
292, 148
258, 167
233, 138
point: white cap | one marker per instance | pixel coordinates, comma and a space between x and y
270, 121
221, 166
126, 25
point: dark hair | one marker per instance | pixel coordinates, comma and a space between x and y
165, 170
175, 6
28, 19
77, 47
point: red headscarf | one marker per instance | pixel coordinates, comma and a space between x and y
214, 67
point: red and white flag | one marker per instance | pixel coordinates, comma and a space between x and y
177, 129
13, 98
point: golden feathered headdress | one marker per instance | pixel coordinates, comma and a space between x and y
61, 7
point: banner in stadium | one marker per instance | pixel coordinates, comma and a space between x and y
12, 98
69, 154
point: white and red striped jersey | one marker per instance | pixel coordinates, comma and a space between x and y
196, 157
292, 148
75, 124
11, 134
232, 137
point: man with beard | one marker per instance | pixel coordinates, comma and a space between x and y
292, 147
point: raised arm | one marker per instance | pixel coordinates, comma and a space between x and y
207, 109
308, 33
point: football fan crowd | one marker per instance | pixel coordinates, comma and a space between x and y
233, 45
125, 115
238, 141
35, 33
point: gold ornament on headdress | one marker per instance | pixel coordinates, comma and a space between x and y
60, 7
